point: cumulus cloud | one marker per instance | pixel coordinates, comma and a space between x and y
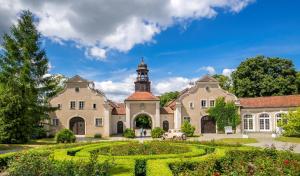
211, 70
227, 72
100, 26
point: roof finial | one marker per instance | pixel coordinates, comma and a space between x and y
142, 60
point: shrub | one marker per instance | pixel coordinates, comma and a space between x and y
129, 133
65, 136
188, 129
39, 132
140, 167
291, 123
98, 135
157, 132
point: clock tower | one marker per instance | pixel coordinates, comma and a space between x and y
142, 83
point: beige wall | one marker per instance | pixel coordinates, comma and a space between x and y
89, 114
169, 118
114, 121
196, 95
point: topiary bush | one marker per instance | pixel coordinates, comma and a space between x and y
157, 132
98, 135
65, 136
188, 129
129, 133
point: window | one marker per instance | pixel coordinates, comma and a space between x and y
264, 122
248, 122
279, 118
55, 122
76, 89
187, 119
99, 122
191, 105
58, 106
72, 105
212, 103
81, 104
203, 103
94, 106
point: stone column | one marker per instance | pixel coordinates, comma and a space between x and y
107, 119
177, 116
127, 118
157, 114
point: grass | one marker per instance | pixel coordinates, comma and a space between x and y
288, 139
237, 140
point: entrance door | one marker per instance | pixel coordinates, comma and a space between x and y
165, 125
120, 127
208, 125
77, 125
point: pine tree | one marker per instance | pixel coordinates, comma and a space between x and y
24, 86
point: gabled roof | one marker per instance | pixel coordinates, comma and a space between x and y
118, 109
207, 78
77, 78
147, 96
166, 110
271, 102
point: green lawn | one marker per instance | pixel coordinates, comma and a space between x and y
237, 140
288, 139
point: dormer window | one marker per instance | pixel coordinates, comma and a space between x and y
76, 89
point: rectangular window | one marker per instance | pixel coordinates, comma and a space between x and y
187, 119
81, 104
99, 122
59, 106
212, 103
245, 124
72, 105
261, 124
250, 124
55, 122
76, 89
94, 106
267, 121
203, 103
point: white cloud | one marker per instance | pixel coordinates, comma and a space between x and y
211, 70
100, 26
227, 72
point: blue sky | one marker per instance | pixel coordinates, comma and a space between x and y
182, 50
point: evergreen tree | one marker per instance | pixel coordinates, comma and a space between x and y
25, 85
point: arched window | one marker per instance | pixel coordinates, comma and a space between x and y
264, 122
248, 122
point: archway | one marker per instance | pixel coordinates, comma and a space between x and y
77, 125
208, 125
120, 127
143, 121
165, 125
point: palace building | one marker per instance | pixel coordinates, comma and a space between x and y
87, 111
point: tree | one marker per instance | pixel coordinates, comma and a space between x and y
224, 113
224, 81
298, 82
291, 123
187, 129
25, 83
168, 96
264, 76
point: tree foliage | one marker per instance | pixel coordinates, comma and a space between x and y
168, 96
264, 76
224, 81
24, 81
291, 123
298, 82
225, 113
188, 129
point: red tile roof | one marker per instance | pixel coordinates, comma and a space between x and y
119, 109
166, 110
142, 96
271, 102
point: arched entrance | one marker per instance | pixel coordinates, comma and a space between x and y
77, 125
208, 125
165, 125
143, 121
120, 127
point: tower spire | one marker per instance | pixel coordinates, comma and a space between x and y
142, 83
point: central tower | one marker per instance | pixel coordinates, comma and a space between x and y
142, 83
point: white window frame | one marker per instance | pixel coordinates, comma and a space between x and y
253, 122
55, 122
79, 104
278, 118
187, 118
101, 120
264, 120
203, 107
71, 105
210, 100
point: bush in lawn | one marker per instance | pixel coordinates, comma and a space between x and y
98, 135
129, 133
157, 132
65, 136
291, 123
188, 129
